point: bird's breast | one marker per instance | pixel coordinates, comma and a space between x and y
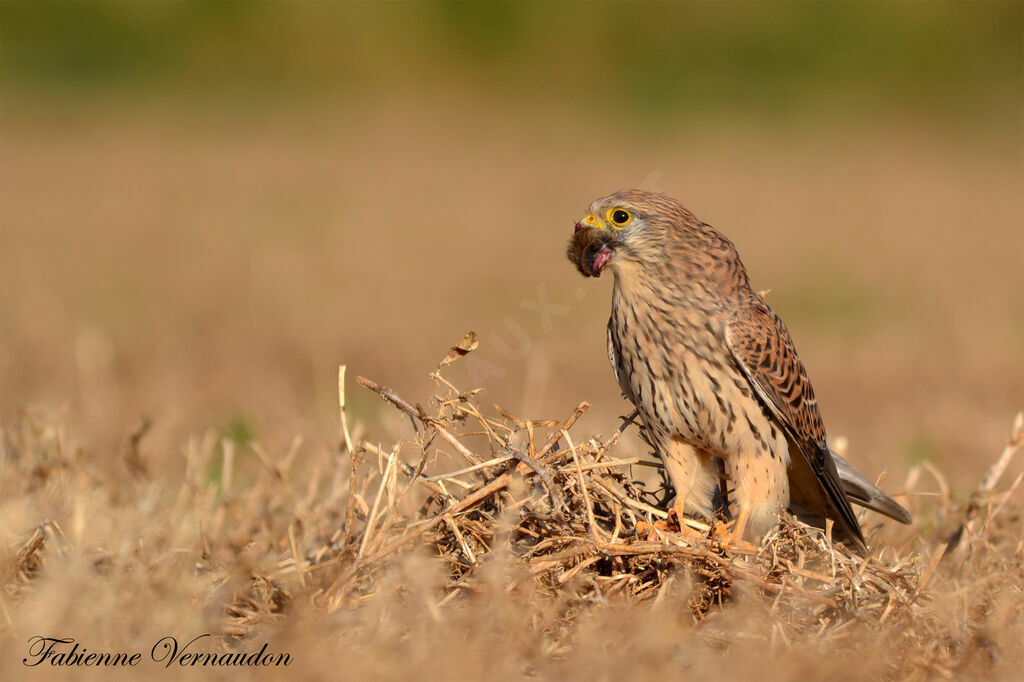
673, 363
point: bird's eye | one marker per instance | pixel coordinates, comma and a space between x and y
619, 217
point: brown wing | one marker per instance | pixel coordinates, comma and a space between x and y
761, 345
613, 358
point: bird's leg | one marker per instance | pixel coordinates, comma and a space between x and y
693, 479
733, 537
761, 484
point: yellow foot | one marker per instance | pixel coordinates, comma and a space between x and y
674, 523
651, 530
730, 540
731, 534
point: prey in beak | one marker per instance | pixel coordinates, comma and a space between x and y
590, 248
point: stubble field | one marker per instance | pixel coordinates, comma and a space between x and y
180, 280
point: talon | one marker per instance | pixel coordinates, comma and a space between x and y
675, 523
731, 534
651, 529
728, 540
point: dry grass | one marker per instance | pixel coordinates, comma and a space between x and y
167, 277
521, 559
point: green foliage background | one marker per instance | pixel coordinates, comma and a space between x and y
647, 60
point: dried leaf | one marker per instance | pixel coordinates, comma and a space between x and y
506, 414
467, 345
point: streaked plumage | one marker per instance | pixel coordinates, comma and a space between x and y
712, 369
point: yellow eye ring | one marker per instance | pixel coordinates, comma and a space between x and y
618, 218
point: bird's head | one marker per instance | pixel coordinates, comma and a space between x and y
628, 226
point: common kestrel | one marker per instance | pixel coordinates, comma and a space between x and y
713, 372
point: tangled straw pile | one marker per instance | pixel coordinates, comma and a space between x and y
539, 539
570, 514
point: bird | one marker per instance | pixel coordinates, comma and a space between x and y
714, 375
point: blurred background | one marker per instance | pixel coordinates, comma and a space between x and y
206, 207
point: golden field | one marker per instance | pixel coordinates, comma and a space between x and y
193, 268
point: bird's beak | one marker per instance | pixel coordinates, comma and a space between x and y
591, 247
591, 221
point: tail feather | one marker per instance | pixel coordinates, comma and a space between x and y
863, 492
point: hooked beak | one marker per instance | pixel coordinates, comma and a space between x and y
590, 221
